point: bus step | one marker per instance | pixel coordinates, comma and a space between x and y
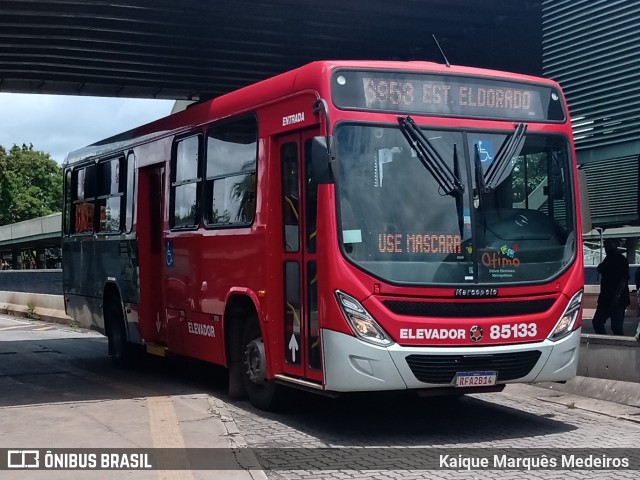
158, 350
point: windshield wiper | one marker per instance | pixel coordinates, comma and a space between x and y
502, 160
459, 204
429, 157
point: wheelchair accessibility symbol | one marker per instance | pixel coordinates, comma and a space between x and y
169, 253
485, 149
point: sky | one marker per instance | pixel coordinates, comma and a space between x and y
58, 124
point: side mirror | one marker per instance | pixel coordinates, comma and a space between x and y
322, 159
585, 209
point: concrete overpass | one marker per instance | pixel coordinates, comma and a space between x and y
38, 235
196, 49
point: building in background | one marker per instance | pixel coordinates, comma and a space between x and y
592, 48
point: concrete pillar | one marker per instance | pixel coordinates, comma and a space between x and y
632, 245
41, 261
16, 260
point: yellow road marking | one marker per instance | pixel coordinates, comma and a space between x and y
15, 327
166, 433
42, 329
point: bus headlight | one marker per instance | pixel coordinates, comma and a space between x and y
361, 322
568, 318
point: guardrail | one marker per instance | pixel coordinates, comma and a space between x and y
32, 281
609, 357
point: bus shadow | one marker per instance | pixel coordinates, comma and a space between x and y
79, 369
394, 419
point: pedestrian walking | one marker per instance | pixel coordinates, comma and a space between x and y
614, 290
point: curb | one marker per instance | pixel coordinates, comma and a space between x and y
50, 315
34, 306
552, 393
599, 407
613, 391
219, 409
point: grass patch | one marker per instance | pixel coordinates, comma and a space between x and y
31, 311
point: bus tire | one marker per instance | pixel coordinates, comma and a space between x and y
263, 393
120, 350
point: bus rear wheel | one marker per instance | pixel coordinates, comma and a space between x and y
119, 348
263, 393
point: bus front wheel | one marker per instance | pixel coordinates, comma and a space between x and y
263, 393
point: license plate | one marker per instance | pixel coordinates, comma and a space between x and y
476, 379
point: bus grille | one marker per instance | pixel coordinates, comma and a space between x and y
442, 368
455, 309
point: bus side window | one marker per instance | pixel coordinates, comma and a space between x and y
232, 152
131, 167
66, 224
83, 193
185, 182
110, 195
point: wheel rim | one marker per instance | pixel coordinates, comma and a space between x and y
255, 362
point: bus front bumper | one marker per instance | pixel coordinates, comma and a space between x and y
351, 365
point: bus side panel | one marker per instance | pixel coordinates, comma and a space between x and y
87, 311
88, 264
80, 302
71, 266
205, 337
206, 265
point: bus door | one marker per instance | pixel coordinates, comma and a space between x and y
153, 324
301, 344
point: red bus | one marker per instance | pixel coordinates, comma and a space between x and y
345, 226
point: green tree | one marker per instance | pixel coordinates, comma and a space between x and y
535, 166
30, 184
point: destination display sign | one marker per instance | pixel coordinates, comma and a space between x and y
446, 95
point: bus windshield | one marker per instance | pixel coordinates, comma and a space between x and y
508, 222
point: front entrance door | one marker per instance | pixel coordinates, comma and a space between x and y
302, 352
